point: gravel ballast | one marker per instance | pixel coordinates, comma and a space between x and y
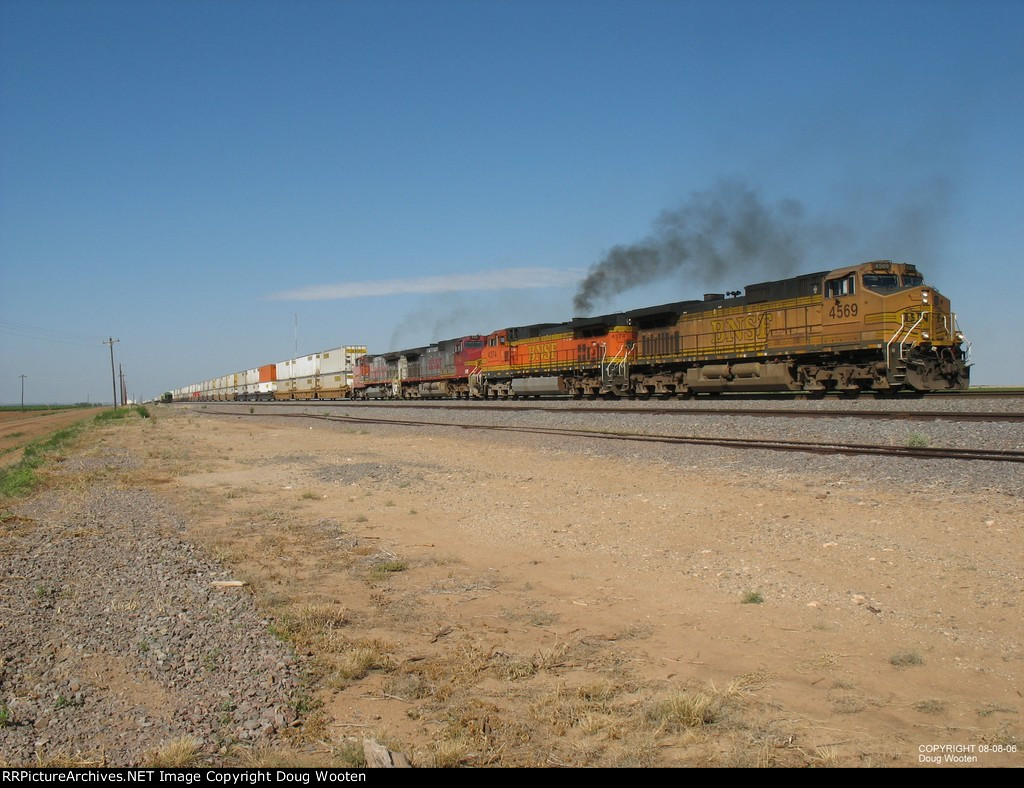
115, 640
867, 471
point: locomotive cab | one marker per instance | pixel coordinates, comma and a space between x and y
884, 310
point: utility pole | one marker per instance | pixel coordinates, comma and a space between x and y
113, 377
124, 395
23, 390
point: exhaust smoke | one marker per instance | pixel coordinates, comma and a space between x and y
719, 233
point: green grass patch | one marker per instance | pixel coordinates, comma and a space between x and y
19, 479
917, 440
381, 570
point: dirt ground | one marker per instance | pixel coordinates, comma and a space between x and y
472, 599
18, 428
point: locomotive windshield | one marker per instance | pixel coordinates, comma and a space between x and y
878, 282
887, 283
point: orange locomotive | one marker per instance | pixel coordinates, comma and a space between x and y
584, 357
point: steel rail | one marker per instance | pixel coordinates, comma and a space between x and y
882, 415
991, 455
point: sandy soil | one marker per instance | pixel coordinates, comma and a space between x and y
477, 599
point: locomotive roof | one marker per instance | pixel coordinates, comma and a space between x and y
416, 352
760, 292
576, 325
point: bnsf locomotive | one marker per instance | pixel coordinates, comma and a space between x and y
870, 327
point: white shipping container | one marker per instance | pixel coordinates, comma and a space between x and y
306, 366
332, 361
340, 359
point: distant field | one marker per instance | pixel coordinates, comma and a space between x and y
49, 407
18, 429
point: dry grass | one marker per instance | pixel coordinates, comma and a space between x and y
906, 659
748, 683
180, 753
827, 662
382, 569
63, 760
450, 753
930, 706
357, 660
826, 757
268, 756
849, 702
683, 709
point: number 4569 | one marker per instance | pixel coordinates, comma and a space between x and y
844, 310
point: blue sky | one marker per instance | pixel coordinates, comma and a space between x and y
178, 175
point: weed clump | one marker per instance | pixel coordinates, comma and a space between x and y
180, 753
683, 710
905, 659
752, 598
917, 440
381, 570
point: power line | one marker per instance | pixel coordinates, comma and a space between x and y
48, 334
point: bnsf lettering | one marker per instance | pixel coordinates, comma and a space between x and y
542, 353
748, 328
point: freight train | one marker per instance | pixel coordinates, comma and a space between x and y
871, 327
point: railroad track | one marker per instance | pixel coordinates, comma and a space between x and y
991, 455
884, 415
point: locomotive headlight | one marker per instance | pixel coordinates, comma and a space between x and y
924, 296
959, 336
924, 335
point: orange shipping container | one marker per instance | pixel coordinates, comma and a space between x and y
268, 373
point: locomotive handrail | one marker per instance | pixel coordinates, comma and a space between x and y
966, 341
903, 342
616, 361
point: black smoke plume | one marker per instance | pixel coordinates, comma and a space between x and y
725, 231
